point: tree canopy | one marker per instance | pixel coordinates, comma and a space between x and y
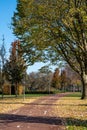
54, 29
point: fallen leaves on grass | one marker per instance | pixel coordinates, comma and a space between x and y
74, 112
13, 103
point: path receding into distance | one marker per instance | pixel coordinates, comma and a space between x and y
38, 115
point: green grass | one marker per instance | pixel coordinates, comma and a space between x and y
26, 95
76, 124
29, 94
35, 95
38, 94
74, 94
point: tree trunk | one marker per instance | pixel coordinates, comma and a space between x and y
2, 93
16, 89
84, 86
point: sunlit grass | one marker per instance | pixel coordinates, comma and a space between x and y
9, 104
74, 94
74, 111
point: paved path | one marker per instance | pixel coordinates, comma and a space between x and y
33, 116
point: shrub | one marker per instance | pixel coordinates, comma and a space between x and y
7, 88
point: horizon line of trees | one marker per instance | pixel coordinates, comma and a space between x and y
14, 71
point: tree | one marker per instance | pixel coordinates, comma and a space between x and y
47, 76
57, 28
63, 80
40, 81
56, 79
15, 67
45, 70
30, 51
73, 79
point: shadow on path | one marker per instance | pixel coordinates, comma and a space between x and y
11, 118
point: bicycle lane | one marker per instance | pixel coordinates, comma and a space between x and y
34, 116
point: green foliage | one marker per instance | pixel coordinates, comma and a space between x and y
23, 29
15, 67
39, 81
14, 71
44, 25
54, 29
45, 70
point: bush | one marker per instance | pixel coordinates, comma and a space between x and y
7, 89
20, 89
39, 92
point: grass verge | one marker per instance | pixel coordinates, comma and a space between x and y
73, 110
22, 96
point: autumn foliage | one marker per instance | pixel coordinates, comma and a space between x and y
15, 67
66, 79
56, 79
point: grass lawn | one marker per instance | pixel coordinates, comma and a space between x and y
73, 110
26, 95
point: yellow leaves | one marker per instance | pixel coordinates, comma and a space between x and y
12, 104
73, 110
73, 105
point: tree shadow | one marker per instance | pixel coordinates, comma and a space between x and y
11, 118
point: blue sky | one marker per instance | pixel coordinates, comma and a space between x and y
7, 8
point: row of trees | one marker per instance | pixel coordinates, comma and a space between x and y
14, 71
54, 30
46, 80
66, 80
